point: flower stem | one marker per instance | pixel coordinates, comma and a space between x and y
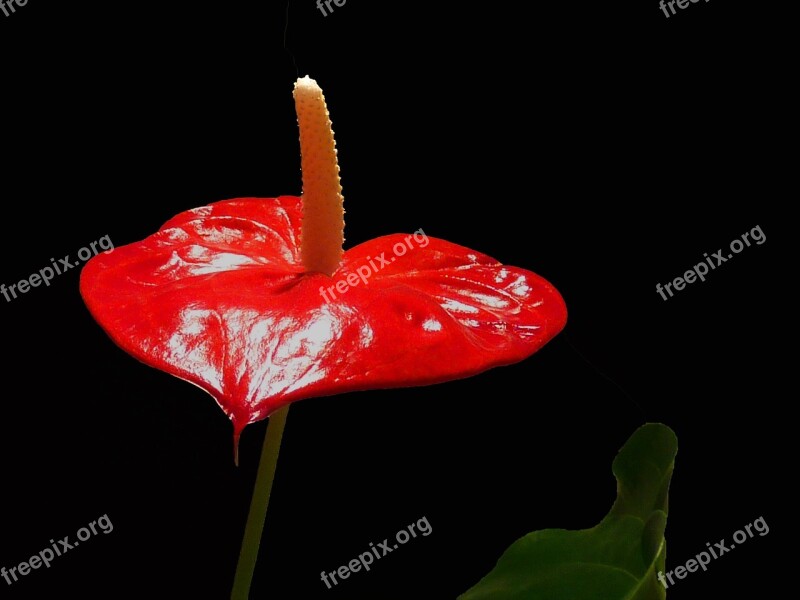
258, 505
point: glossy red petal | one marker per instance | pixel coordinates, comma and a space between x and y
219, 297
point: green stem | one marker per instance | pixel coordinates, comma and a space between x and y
258, 505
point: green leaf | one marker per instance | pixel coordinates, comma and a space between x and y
616, 560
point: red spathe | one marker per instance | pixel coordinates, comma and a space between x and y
219, 297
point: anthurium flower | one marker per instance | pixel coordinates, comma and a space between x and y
254, 301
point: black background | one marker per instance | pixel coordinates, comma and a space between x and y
600, 145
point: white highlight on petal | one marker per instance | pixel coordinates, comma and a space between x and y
455, 306
432, 325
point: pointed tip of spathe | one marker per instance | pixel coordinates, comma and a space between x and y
237, 433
